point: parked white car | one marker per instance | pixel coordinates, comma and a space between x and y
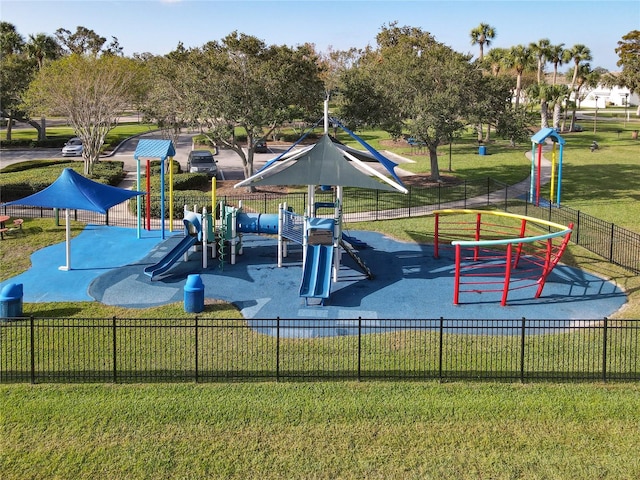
72, 148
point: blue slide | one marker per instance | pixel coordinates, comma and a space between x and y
172, 257
316, 278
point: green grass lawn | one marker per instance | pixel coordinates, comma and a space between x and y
321, 430
346, 429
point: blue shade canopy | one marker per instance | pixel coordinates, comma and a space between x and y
73, 191
152, 148
545, 133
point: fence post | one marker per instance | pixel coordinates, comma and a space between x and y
196, 349
440, 342
359, 347
522, 348
613, 226
277, 349
115, 351
604, 349
33, 349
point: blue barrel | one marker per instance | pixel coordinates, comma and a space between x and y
482, 150
194, 294
11, 301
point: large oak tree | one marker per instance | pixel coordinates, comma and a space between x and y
412, 83
242, 82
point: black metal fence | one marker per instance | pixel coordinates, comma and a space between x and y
613, 243
207, 350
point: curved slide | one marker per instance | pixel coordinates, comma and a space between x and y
316, 277
191, 222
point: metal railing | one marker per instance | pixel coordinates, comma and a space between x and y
613, 243
211, 350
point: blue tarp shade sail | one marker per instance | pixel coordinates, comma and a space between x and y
73, 191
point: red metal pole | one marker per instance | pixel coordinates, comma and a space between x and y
507, 276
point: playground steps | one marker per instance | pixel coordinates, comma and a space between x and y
353, 254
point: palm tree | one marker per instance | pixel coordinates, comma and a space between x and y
578, 53
42, 47
557, 93
495, 59
482, 35
585, 77
557, 57
540, 51
518, 58
541, 92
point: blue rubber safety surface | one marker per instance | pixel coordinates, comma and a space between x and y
108, 266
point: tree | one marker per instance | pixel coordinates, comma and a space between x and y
428, 87
242, 82
42, 47
90, 91
584, 77
541, 52
82, 41
578, 53
557, 57
519, 58
482, 35
16, 71
164, 99
11, 42
628, 51
495, 60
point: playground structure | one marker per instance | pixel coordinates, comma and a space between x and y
489, 261
220, 235
555, 187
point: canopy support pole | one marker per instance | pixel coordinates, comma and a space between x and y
68, 242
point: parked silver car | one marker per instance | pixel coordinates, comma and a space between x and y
72, 148
202, 161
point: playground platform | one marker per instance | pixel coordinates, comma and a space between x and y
407, 282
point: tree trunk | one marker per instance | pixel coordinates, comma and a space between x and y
9, 127
557, 107
544, 114
42, 133
38, 127
433, 157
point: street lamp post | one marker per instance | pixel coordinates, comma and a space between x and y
595, 121
626, 106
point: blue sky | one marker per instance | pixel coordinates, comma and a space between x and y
156, 26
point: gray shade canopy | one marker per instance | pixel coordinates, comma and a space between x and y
322, 164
